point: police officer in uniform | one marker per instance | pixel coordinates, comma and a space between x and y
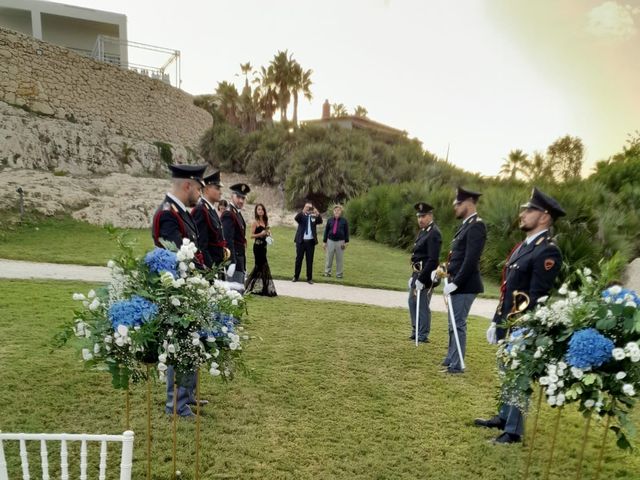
211, 240
424, 260
172, 223
531, 268
234, 228
463, 271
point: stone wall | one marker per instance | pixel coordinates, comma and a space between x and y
54, 81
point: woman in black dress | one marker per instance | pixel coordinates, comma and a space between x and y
260, 281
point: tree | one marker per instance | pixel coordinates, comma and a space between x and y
513, 164
227, 98
339, 110
537, 168
265, 95
300, 83
566, 155
360, 111
281, 77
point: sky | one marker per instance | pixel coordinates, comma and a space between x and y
476, 78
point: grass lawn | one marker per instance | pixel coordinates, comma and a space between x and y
64, 240
336, 392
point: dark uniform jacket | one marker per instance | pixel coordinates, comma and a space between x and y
301, 219
234, 228
426, 252
171, 223
463, 264
531, 269
210, 235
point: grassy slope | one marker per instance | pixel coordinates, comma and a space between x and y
367, 264
337, 391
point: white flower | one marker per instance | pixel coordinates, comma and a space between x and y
162, 367
563, 289
91, 294
560, 399
215, 372
179, 283
86, 354
195, 342
551, 400
120, 341
631, 347
577, 372
515, 364
108, 339
628, 389
233, 346
630, 303
589, 279
615, 290
543, 299
224, 329
192, 266
586, 271
620, 375
562, 365
185, 242
80, 328
216, 353
618, 354
94, 305
111, 264
182, 267
553, 378
175, 301
551, 368
96, 348
573, 295
170, 333
162, 358
123, 330
171, 349
635, 357
234, 302
78, 296
589, 403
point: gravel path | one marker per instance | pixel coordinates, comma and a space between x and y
319, 291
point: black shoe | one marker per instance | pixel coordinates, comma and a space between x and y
424, 340
444, 363
412, 337
451, 371
203, 402
294, 279
338, 276
326, 274
493, 422
310, 282
507, 438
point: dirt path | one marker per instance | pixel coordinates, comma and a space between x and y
320, 291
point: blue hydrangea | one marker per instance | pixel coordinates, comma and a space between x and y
160, 260
588, 348
515, 334
617, 294
132, 312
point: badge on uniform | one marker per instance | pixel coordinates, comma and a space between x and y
549, 263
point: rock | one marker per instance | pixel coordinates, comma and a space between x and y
43, 108
632, 275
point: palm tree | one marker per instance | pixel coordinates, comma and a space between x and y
281, 77
227, 98
300, 83
360, 111
538, 168
265, 95
513, 164
339, 110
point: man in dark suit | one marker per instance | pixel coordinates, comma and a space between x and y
531, 269
306, 239
235, 228
463, 272
211, 240
424, 261
335, 241
172, 223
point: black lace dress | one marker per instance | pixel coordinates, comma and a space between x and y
260, 281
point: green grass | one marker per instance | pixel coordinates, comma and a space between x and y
64, 240
336, 391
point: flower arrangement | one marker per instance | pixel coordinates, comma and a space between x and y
581, 347
162, 310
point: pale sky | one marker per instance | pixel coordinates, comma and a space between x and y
485, 77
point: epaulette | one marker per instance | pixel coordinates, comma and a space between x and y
540, 240
166, 206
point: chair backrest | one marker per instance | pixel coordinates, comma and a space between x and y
126, 457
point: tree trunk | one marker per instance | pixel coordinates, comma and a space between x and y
295, 109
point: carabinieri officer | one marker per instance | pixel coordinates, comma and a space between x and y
424, 260
530, 269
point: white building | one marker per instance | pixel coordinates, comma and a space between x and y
76, 28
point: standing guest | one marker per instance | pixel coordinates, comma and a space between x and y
260, 281
234, 228
424, 261
223, 205
306, 239
210, 235
172, 223
335, 241
531, 269
463, 271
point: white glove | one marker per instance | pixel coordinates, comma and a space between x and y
450, 288
231, 270
434, 275
419, 285
409, 283
491, 334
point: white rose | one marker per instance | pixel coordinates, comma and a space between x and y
186, 241
544, 381
182, 267
233, 346
86, 354
543, 299
175, 302
195, 342
171, 349
618, 354
181, 256
620, 375
551, 400
123, 330
94, 305
78, 296
586, 271
553, 378
635, 357
96, 348
563, 289
560, 399
234, 302
577, 372
589, 403
162, 358
628, 389
589, 279
108, 339
162, 367
91, 294
192, 266
631, 346
120, 341
562, 365
214, 372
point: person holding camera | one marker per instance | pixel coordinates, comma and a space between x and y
306, 239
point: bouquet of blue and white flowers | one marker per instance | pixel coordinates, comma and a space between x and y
161, 310
581, 347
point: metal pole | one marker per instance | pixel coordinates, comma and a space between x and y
453, 323
417, 314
